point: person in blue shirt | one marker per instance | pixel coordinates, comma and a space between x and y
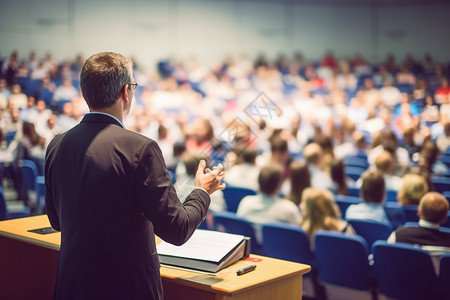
372, 192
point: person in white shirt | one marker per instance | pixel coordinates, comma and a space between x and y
389, 142
266, 206
18, 99
245, 173
385, 163
49, 129
320, 179
65, 92
390, 95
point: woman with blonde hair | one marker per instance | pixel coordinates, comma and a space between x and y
413, 188
320, 212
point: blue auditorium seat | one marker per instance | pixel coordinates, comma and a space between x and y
230, 223
405, 271
233, 196
371, 231
344, 265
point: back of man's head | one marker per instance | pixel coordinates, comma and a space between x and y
313, 153
385, 162
359, 139
191, 161
278, 145
270, 178
103, 77
249, 155
373, 186
433, 208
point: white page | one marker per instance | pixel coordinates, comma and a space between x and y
203, 245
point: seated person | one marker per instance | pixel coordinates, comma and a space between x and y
245, 173
413, 188
432, 211
267, 207
372, 192
185, 184
320, 212
299, 180
320, 179
385, 163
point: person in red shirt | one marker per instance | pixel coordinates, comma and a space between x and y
442, 92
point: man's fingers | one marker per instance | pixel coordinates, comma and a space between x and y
217, 170
201, 167
221, 186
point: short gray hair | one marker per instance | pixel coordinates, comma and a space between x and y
102, 78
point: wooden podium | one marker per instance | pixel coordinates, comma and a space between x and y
29, 261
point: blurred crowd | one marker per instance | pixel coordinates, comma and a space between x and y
251, 113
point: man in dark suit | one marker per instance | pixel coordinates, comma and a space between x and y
109, 193
433, 211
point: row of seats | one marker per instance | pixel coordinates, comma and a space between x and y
35, 186
347, 267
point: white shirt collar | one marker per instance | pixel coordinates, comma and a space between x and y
426, 224
102, 113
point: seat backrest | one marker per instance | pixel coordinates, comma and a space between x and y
391, 196
172, 175
353, 191
29, 174
395, 214
288, 242
447, 223
3, 209
228, 222
9, 136
356, 161
371, 231
344, 202
404, 271
411, 213
342, 260
40, 190
444, 274
354, 172
233, 196
441, 184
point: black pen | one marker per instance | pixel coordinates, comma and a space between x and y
245, 270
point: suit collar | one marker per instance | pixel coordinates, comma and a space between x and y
101, 118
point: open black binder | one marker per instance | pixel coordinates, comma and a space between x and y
206, 251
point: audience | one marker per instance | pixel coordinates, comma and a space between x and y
245, 172
372, 192
267, 206
413, 188
337, 170
327, 112
185, 184
320, 212
385, 164
433, 212
299, 181
320, 179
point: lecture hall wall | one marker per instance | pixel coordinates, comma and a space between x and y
209, 30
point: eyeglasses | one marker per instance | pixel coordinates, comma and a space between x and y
132, 86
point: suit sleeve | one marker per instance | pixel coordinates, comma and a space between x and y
173, 221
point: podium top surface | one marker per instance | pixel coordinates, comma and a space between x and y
225, 281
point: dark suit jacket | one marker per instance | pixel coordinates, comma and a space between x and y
422, 236
109, 193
